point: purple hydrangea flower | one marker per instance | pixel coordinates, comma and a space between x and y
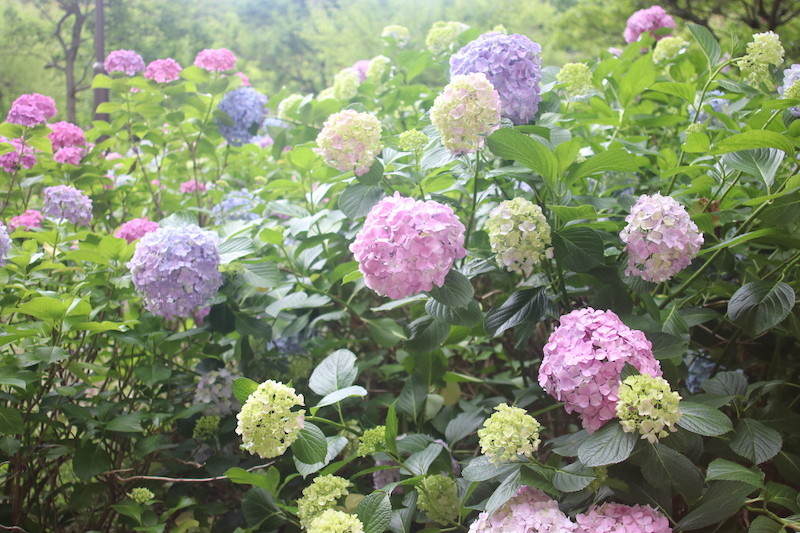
236, 205
512, 65
135, 229
176, 270
31, 110
529, 510
647, 20
618, 518
126, 61
790, 76
246, 108
63, 202
20, 157
5, 244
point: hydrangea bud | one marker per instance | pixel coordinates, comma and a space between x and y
377, 68
512, 65
345, 84
350, 140
63, 202
467, 110
5, 244
215, 60
647, 20
791, 86
236, 205
649, 406
583, 360
529, 510
28, 220
518, 234
31, 110
216, 388
288, 106
372, 441
412, 141
765, 50
141, 495
669, 48
205, 428
509, 433
176, 270
246, 108
438, 498
125, 61
267, 424
333, 521
408, 246
618, 518
323, 494
576, 79
660, 238
400, 34
444, 35
695, 127
163, 70
21, 156
135, 229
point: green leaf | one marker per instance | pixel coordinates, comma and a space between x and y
457, 290
427, 334
386, 331
232, 249
573, 477
463, 425
578, 249
511, 144
357, 200
755, 441
375, 512
373, 176
335, 372
310, 446
335, 447
129, 423
764, 524
90, 460
607, 446
528, 305
703, 420
10, 421
44, 308
720, 501
664, 466
391, 428
339, 395
481, 469
783, 495
243, 388
684, 91
457, 316
637, 78
268, 481
256, 328
419, 463
613, 160
568, 213
696, 142
724, 470
760, 305
754, 139
566, 153
412, 397
152, 373
259, 509
708, 43
504, 492
761, 163
726, 383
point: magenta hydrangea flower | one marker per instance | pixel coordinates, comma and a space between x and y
126, 61
512, 65
163, 70
193, 186
30, 219
19, 158
529, 510
350, 140
69, 154
176, 270
647, 20
583, 360
63, 202
660, 238
66, 134
5, 244
618, 518
408, 246
467, 110
31, 110
215, 60
135, 229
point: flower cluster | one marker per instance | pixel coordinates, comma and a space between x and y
68, 142
236, 205
618, 518
20, 157
400, 34
192, 186
647, 20
669, 48
660, 238
215, 60
443, 35
377, 68
765, 50
438, 498
288, 105
576, 79
246, 109
30, 219
791, 86
135, 229
126, 61
31, 110
412, 141
141, 495
176, 269
350, 140
216, 388
467, 110
512, 65
408, 246
509, 433
333, 521
163, 70
267, 424
322, 494
63, 202
372, 441
5, 244
529, 510
649, 406
345, 83
360, 68
583, 360
518, 234
205, 428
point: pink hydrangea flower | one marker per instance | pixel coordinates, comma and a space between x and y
30, 219
192, 186
242, 76
69, 154
135, 229
408, 246
350, 140
618, 518
163, 70
19, 158
31, 110
360, 68
583, 360
530, 510
660, 238
216, 60
647, 20
66, 134
126, 61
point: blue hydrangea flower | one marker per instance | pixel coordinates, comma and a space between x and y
719, 105
63, 202
176, 269
5, 244
790, 76
246, 108
512, 65
237, 205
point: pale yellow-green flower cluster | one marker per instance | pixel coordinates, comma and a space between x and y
668, 48
576, 78
509, 433
332, 521
205, 428
438, 498
372, 441
518, 234
399, 33
267, 424
696, 127
287, 105
443, 35
647, 405
467, 110
765, 50
322, 495
377, 68
345, 84
141, 495
793, 91
412, 141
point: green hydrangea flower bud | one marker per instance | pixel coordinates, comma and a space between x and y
443, 35
322, 495
372, 441
141, 495
696, 127
206, 428
438, 498
332, 521
509, 433
576, 79
765, 50
649, 406
668, 48
412, 141
345, 84
287, 105
519, 235
400, 34
377, 68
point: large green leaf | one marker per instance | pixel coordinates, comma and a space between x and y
573, 477
358, 199
755, 441
339, 395
578, 249
10, 421
243, 388
504, 492
607, 446
684, 91
375, 512
427, 334
457, 316
764, 524
511, 144
89, 460
664, 466
335, 372
721, 500
760, 305
523, 306
259, 509
754, 139
724, 470
760, 162
708, 43
703, 420
310, 446
726, 383
613, 160
482, 469
456, 291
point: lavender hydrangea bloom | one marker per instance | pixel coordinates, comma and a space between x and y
246, 108
175, 269
237, 205
63, 202
790, 76
216, 388
5, 244
512, 65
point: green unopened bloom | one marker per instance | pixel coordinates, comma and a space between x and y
576, 78
509, 433
141, 495
668, 48
696, 127
399, 33
332, 521
322, 495
412, 141
372, 441
519, 235
377, 68
287, 105
205, 428
438, 498
765, 50
443, 35
267, 424
648, 405
326, 94
345, 84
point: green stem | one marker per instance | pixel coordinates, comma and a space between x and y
471, 220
